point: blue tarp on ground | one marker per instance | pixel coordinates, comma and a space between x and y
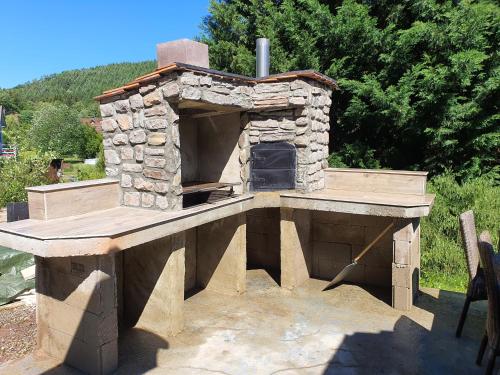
12, 283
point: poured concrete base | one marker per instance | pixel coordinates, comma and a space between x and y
268, 330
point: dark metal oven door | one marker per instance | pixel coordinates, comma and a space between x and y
272, 166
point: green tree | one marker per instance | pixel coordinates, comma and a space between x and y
92, 142
56, 128
420, 80
30, 169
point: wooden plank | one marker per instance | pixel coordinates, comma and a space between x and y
198, 187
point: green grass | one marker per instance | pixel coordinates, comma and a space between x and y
443, 260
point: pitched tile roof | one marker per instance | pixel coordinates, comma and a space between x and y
139, 81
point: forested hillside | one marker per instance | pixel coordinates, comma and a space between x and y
75, 88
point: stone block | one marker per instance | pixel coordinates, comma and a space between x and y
162, 202
120, 139
156, 174
297, 100
139, 153
151, 99
111, 172
272, 87
155, 124
126, 181
131, 199
109, 125
161, 187
148, 200
107, 110
127, 153
191, 93
132, 167
170, 90
122, 106
143, 90
155, 151
124, 122
111, 157
157, 110
153, 162
136, 101
137, 137
157, 139
143, 185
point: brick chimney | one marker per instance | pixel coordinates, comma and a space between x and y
183, 51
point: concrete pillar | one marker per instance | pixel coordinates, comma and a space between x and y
406, 263
296, 249
221, 255
77, 311
154, 285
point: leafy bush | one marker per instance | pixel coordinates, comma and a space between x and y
30, 169
56, 128
92, 142
89, 172
443, 260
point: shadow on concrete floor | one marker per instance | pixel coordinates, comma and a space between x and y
273, 331
411, 348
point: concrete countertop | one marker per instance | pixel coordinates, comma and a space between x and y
116, 229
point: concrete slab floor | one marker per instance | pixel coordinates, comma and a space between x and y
347, 330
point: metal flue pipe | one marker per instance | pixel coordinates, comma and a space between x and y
262, 57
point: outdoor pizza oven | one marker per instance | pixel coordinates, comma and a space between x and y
272, 166
187, 135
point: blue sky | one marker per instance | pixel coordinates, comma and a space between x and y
43, 37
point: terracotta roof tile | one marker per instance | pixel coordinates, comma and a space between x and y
153, 76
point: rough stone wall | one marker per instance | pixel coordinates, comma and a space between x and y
141, 145
142, 141
303, 122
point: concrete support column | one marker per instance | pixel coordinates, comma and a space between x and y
221, 256
154, 285
77, 311
296, 249
406, 263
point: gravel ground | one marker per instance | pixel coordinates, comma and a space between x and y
17, 330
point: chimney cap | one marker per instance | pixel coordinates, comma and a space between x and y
182, 51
